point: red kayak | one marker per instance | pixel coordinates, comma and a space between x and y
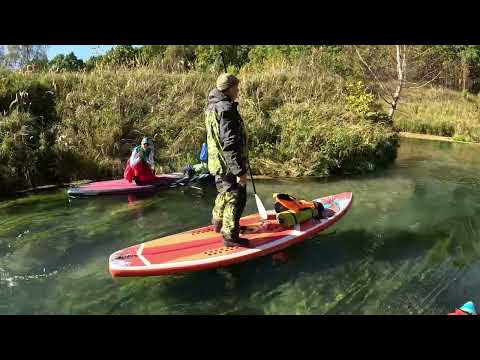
203, 248
122, 186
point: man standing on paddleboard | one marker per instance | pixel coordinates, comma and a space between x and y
227, 158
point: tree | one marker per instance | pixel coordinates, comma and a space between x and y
458, 66
388, 68
149, 54
208, 56
92, 62
67, 62
20, 55
121, 55
260, 53
179, 57
469, 58
38, 64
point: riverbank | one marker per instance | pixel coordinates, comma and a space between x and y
440, 112
433, 137
61, 127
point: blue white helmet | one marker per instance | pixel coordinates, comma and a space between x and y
146, 140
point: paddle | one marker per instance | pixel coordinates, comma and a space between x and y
260, 207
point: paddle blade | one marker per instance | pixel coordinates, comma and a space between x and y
261, 208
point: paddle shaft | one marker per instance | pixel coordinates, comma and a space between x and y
223, 61
251, 177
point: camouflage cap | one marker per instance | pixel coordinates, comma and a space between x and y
226, 81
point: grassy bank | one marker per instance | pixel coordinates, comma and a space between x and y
69, 126
433, 137
441, 112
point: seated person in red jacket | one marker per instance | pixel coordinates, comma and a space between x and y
140, 165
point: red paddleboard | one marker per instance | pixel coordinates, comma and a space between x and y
203, 248
121, 186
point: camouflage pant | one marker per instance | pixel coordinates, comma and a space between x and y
229, 204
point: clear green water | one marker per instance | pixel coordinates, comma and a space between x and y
409, 245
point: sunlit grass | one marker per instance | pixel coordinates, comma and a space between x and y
441, 112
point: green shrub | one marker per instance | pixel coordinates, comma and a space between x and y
33, 93
359, 100
67, 62
26, 149
324, 141
209, 57
462, 138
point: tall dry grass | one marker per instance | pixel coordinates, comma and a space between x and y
439, 111
295, 114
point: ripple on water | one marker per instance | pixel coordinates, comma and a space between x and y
14, 280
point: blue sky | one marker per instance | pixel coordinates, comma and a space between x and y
81, 51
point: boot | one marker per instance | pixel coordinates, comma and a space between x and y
137, 181
234, 240
217, 224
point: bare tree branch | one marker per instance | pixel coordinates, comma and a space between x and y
374, 75
427, 75
422, 53
426, 83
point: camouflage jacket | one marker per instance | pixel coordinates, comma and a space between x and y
226, 136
